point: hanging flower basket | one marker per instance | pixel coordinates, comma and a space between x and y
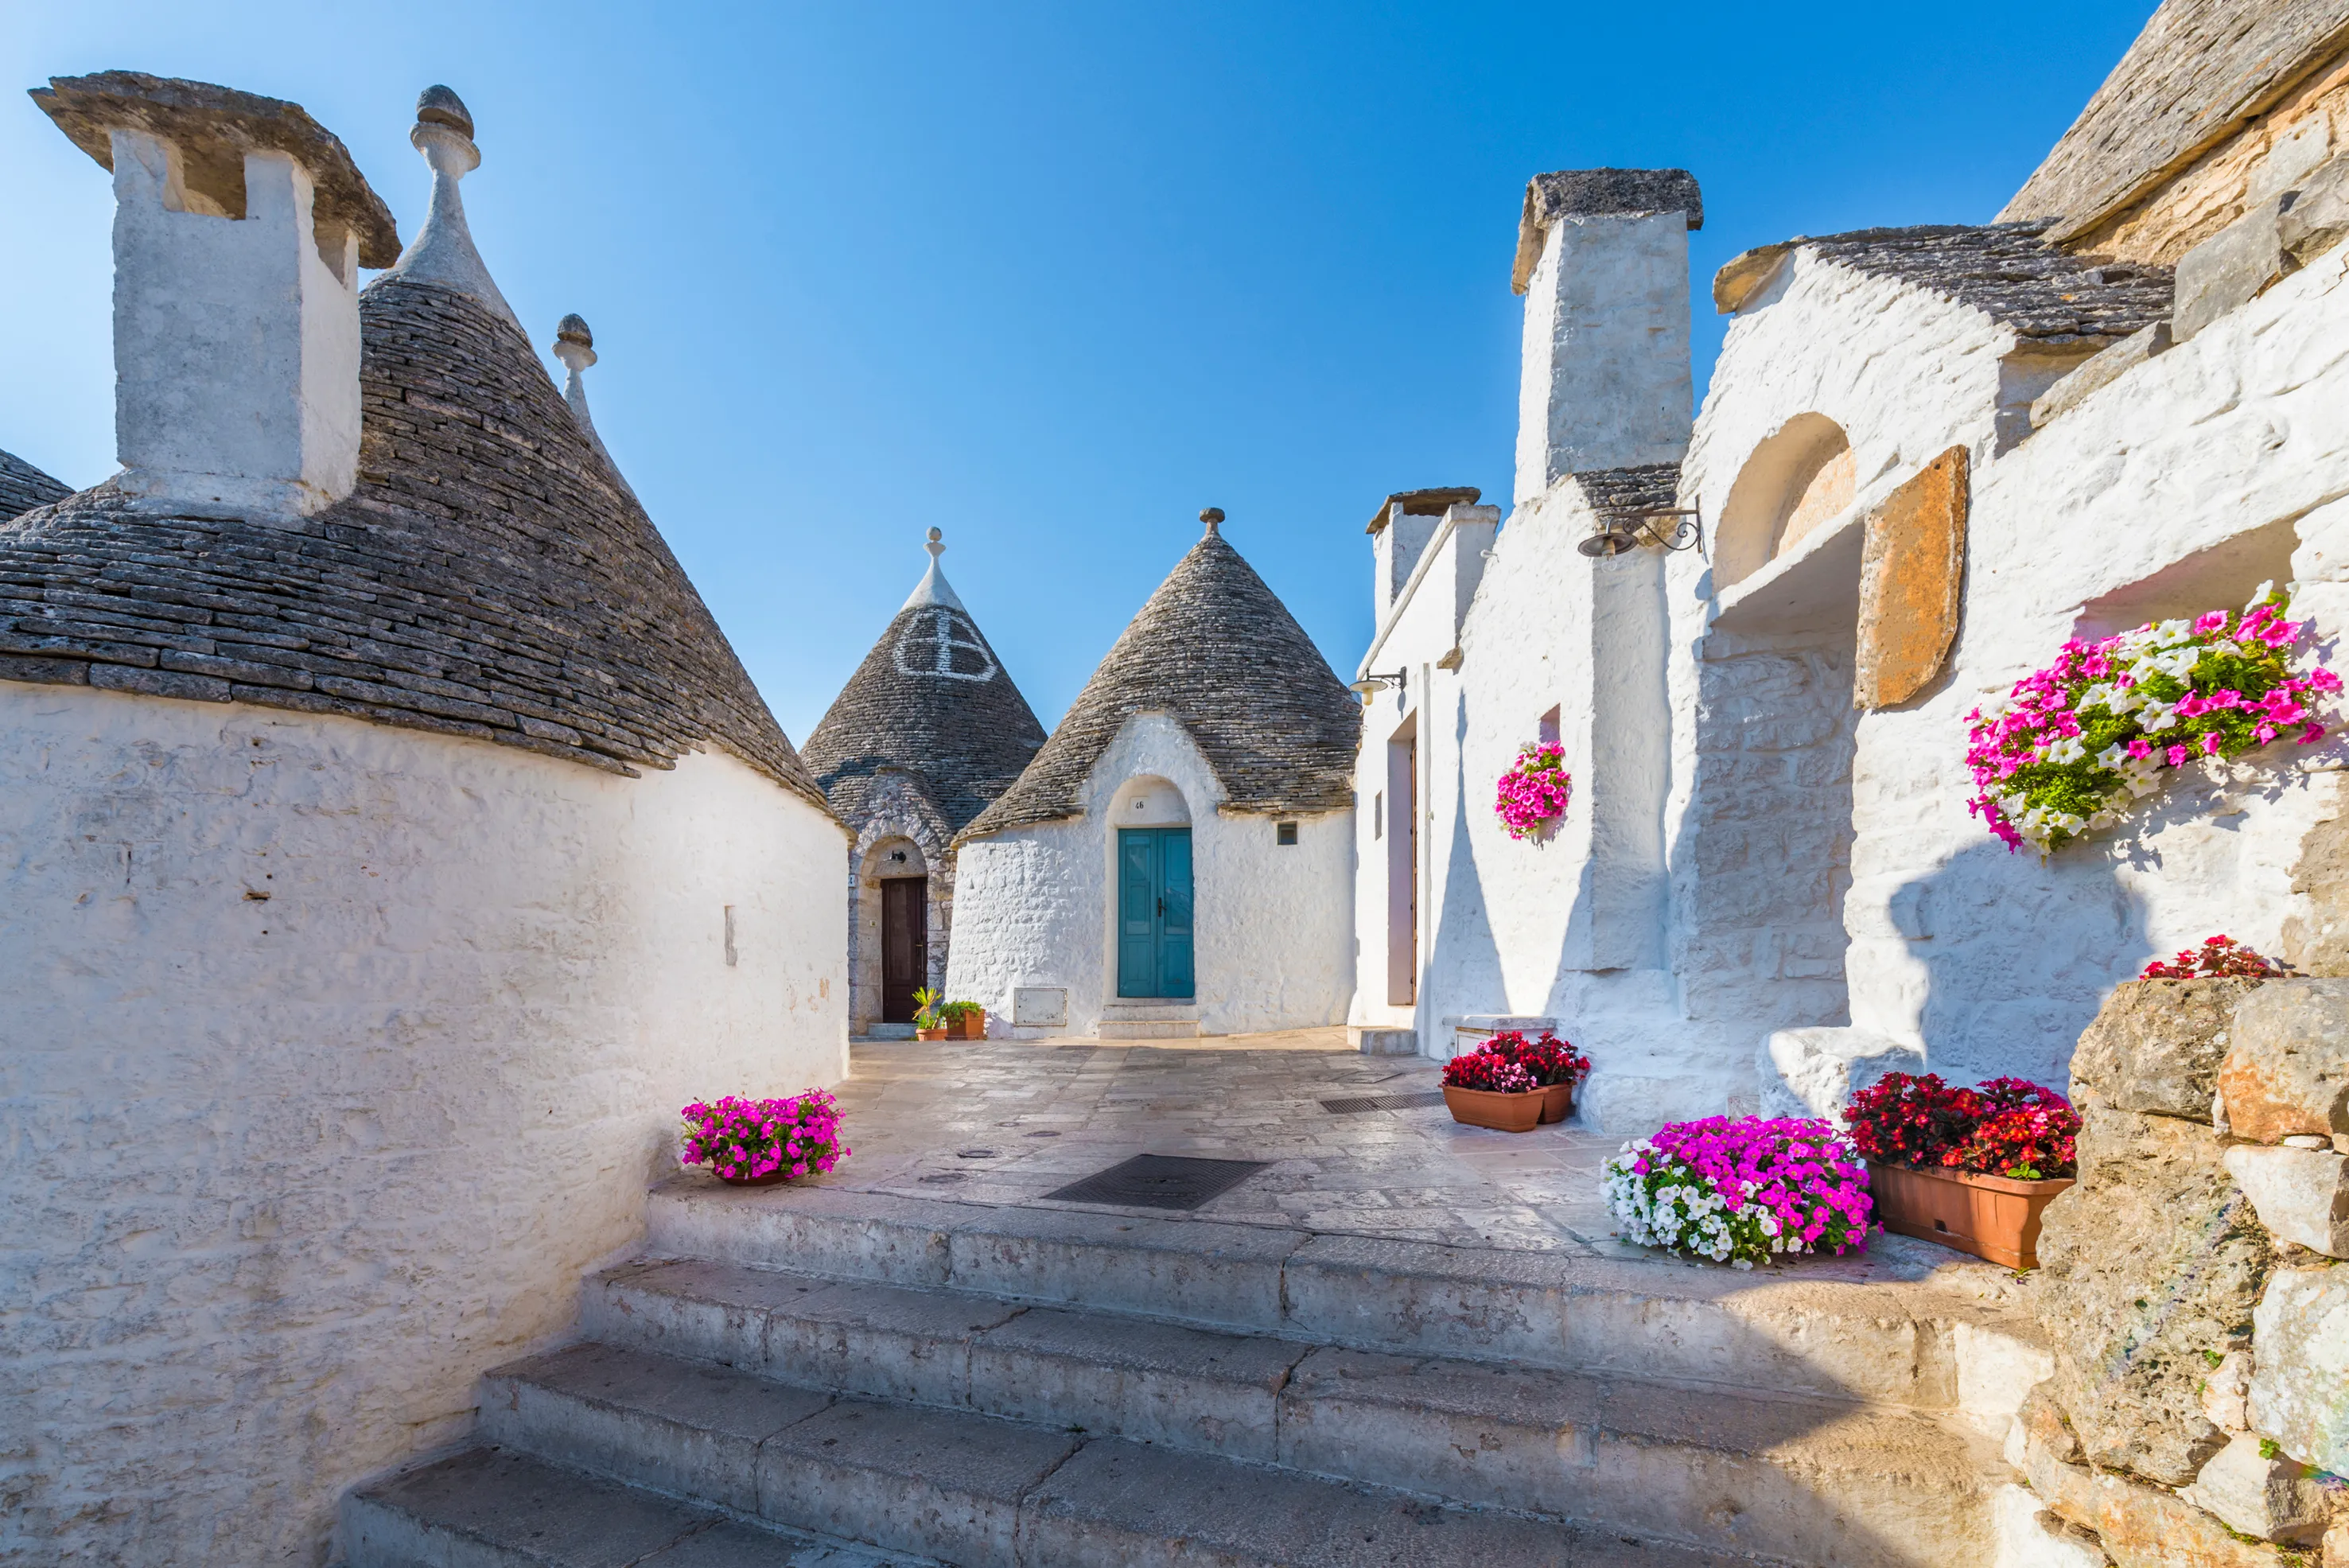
1530, 798
2074, 743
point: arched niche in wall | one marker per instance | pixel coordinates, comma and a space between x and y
1149, 801
1799, 476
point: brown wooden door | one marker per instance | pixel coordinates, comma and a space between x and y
904, 945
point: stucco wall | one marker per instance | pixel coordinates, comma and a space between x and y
284, 1174
1273, 926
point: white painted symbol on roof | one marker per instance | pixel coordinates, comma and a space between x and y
930, 643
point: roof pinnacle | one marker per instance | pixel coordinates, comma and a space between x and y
575, 344
442, 251
1212, 517
932, 590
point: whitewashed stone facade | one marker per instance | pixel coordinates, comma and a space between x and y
1761, 894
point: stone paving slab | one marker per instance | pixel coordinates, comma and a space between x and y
1002, 1123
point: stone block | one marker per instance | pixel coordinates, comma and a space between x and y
2157, 1045
2286, 1070
2274, 1499
2030, 1536
2300, 1373
2302, 1195
2226, 1397
2336, 1546
1815, 1072
2316, 217
2230, 268
2101, 371
2139, 1526
1912, 566
2149, 1265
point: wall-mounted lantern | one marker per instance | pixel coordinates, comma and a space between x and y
1617, 530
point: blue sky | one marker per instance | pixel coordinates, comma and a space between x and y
1049, 278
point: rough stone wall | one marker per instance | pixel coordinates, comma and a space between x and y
892, 806
333, 1056
1273, 924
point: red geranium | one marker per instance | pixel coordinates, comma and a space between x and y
1494, 1073
2007, 1126
2217, 956
1549, 1060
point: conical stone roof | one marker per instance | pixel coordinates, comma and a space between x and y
488, 577
23, 487
932, 703
1218, 651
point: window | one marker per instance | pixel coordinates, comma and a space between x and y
1379, 814
1285, 832
1549, 728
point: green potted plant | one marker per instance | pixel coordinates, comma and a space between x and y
929, 1017
965, 1020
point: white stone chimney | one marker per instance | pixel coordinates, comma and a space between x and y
240, 226
1602, 261
1398, 533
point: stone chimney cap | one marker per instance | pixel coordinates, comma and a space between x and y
1214, 518
1423, 504
213, 128
1598, 193
437, 105
573, 329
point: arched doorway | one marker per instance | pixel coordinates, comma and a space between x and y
1152, 892
894, 916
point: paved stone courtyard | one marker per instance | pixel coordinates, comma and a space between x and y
1004, 1122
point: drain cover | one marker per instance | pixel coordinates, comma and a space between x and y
1359, 1103
1043, 1135
942, 1178
974, 1153
1160, 1181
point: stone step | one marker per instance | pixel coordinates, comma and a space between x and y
1811, 1480
488, 1508
985, 1492
1890, 1343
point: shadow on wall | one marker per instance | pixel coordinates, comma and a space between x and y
1464, 959
2019, 955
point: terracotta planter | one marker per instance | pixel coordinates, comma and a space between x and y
1993, 1217
1502, 1113
969, 1026
1557, 1102
939, 1033
773, 1177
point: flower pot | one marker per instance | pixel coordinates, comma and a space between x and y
1993, 1217
783, 1173
969, 1026
937, 1033
1557, 1102
1502, 1113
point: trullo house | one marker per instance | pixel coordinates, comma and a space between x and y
390, 841
927, 732
1176, 860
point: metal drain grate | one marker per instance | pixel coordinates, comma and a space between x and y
1160, 1181
1359, 1103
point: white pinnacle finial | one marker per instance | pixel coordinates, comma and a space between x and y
442, 251
933, 589
575, 344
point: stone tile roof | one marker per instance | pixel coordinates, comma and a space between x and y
2198, 70
1650, 487
934, 703
1431, 502
213, 128
1215, 648
1598, 192
2009, 272
23, 487
487, 578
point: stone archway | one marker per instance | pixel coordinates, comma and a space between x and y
899, 846
1798, 477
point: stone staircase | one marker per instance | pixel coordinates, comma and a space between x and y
835, 1378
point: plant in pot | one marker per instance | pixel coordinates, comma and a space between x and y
1972, 1168
756, 1143
1485, 1088
929, 1016
965, 1020
1556, 1066
1741, 1191
1531, 798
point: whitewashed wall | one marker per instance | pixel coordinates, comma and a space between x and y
1273, 924
284, 1174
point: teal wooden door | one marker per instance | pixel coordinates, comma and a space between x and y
1153, 913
